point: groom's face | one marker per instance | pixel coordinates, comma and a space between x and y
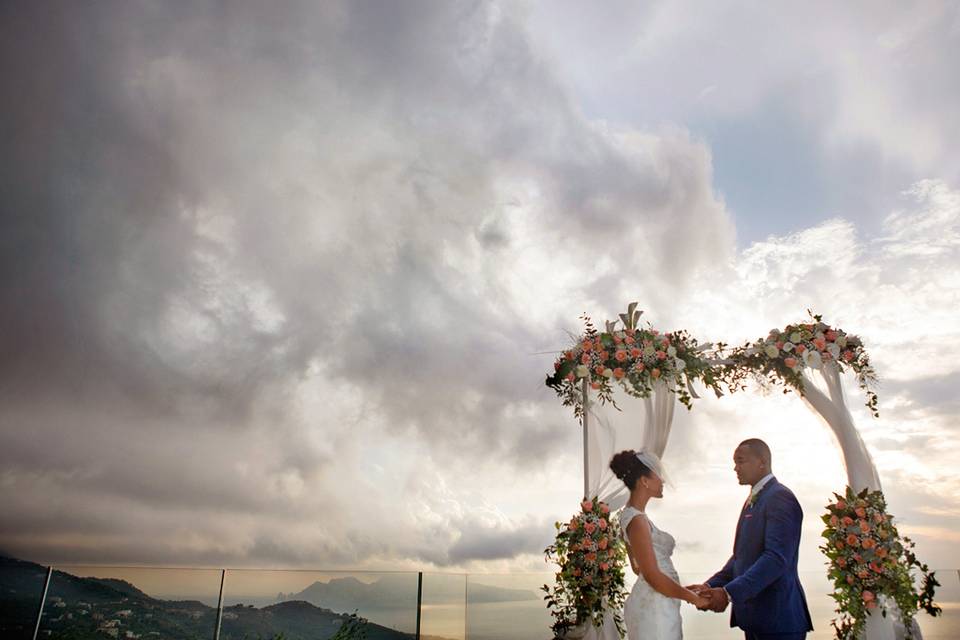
749, 467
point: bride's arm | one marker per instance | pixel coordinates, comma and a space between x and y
641, 545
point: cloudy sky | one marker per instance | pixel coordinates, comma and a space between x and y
280, 281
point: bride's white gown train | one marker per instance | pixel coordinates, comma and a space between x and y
649, 615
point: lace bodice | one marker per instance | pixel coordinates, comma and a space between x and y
663, 542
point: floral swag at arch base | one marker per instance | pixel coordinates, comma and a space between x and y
874, 570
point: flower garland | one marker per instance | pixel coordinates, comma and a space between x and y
590, 581
867, 558
635, 359
786, 353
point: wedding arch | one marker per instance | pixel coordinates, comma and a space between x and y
623, 383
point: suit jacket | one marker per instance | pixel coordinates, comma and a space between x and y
761, 575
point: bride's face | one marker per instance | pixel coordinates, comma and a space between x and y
653, 485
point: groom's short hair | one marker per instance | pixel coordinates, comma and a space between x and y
759, 448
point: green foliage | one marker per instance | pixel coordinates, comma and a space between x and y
354, 628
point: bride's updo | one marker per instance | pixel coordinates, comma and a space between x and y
626, 466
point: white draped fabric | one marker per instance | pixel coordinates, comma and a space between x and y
641, 423
831, 406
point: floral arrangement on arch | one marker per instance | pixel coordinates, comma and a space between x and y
867, 559
590, 580
632, 357
786, 353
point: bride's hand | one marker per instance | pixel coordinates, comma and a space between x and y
701, 602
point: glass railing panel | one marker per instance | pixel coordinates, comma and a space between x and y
131, 603
507, 606
314, 605
444, 606
21, 588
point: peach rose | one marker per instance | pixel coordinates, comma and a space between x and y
661, 355
857, 557
842, 563
604, 355
589, 527
840, 544
587, 506
830, 335
834, 521
800, 348
868, 596
841, 504
617, 339
655, 373
604, 566
862, 574
629, 340
640, 366
848, 355
571, 377
864, 526
602, 524
869, 543
853, 540
635, 353
876, 567
621, 355
820, 343
847, 521
594, 385
604, 508
861, 512
871, 605
568, 355
602, 544
577, 572
882, 552
849, 579
598, 369
585, 358
587, 345
790, 362
590, 557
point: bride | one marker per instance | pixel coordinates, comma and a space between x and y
652, 610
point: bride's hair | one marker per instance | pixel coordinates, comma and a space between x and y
626, 466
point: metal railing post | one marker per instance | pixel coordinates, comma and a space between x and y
216, 632
419, 599
43, 599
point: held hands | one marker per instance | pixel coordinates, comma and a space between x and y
709, 599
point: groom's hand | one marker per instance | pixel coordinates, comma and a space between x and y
718, 599
698, 588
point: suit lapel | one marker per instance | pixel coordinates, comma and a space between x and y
748, 511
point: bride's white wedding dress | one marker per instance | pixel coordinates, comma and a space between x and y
649, 615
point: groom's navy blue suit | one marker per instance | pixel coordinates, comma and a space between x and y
761, 575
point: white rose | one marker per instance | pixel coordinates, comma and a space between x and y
679, 364
795, 337
649, 351
812, 359
787, 347
771, 351
672, 351
608, 373
842, 341
583, 371
834, 350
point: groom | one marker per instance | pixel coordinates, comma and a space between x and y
760, 578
